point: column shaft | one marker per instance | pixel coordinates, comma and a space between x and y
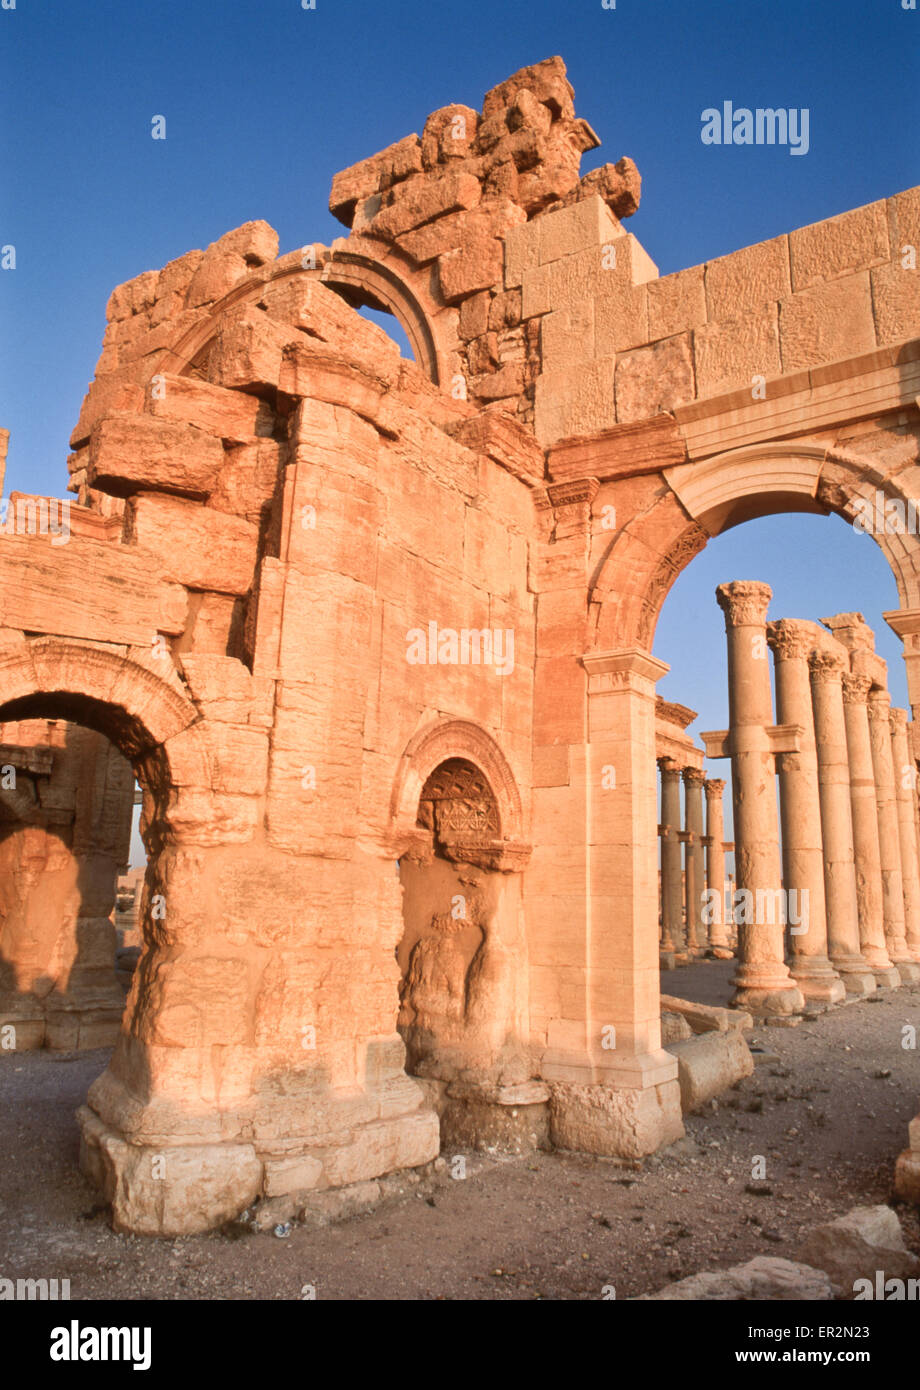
715, 868
905, 774
889, 836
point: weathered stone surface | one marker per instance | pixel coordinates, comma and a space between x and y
856, 1245
198, 547
372, 175
130, 454
761, 1278
747, 282
476, 266
729, 355
708, 1065
839, 246
827, 322
228, 415
653, 380
676, 303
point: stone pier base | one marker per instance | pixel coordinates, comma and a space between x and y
621, 1122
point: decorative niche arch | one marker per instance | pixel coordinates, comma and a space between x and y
458, 749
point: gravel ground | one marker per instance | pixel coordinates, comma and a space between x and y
827, 1107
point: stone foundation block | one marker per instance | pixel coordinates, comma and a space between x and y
708, 1064
623, 1122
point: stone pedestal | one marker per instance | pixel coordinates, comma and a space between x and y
715, 868
907, 1170
697, 930
800, 812
763, 983
889, 835
905, 776
866, 832
840, 893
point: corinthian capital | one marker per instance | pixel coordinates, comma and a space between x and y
826, 667
856, 689
790, 638
744, 601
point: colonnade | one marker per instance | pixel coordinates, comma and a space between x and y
833, 907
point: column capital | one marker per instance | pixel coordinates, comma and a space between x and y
669, 767
714, 787
791, 638
826, 667
694, 776
898, 720
744, 601
604, 668
856, 689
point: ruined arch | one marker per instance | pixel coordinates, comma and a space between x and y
695, 502
140, 711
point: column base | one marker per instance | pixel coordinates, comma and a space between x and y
505, 1119
908, 970
818, 981
723, 953
888, 977
858, 979
667, 960
766, 1002
617, 1122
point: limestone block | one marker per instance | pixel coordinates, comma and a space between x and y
567, 335
505, 442
474, 315
904, 222
584, 225
764, 1277
620, 186
297, 1174
574, 400
906, 1174
116, 393
133, 297
674, 1028
216, 276
839, 246
728, 355
201, 1186
676, 302
176, 276
707, 1018
856, 1245
239, 759
256, 242
128, 454
249, 478
827, 322
492, 219
449, 133
620, 319
709, 1064
522, 253
546, 80
197, 546
247, 353
896, 302
86, 588
654, 379
507, 382
373, 175
627, 1122
476, 266
230, 415
420, 200
384, 1146
748, 281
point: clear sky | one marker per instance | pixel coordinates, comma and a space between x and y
265, 100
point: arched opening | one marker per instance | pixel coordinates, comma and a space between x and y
80, 729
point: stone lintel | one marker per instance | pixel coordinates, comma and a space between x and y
785, 738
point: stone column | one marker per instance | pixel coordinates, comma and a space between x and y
715, 868
800, 817
763, 982
840, 891
672, 939
697, 931
865, 832
889, 835
907, 1169
904, 778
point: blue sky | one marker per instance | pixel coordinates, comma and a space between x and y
264, 101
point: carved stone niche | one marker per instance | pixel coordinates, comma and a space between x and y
458, 817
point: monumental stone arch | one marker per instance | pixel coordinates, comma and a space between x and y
341, 611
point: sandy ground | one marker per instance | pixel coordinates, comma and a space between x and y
828, 1107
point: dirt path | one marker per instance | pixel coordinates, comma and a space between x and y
829, 1113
